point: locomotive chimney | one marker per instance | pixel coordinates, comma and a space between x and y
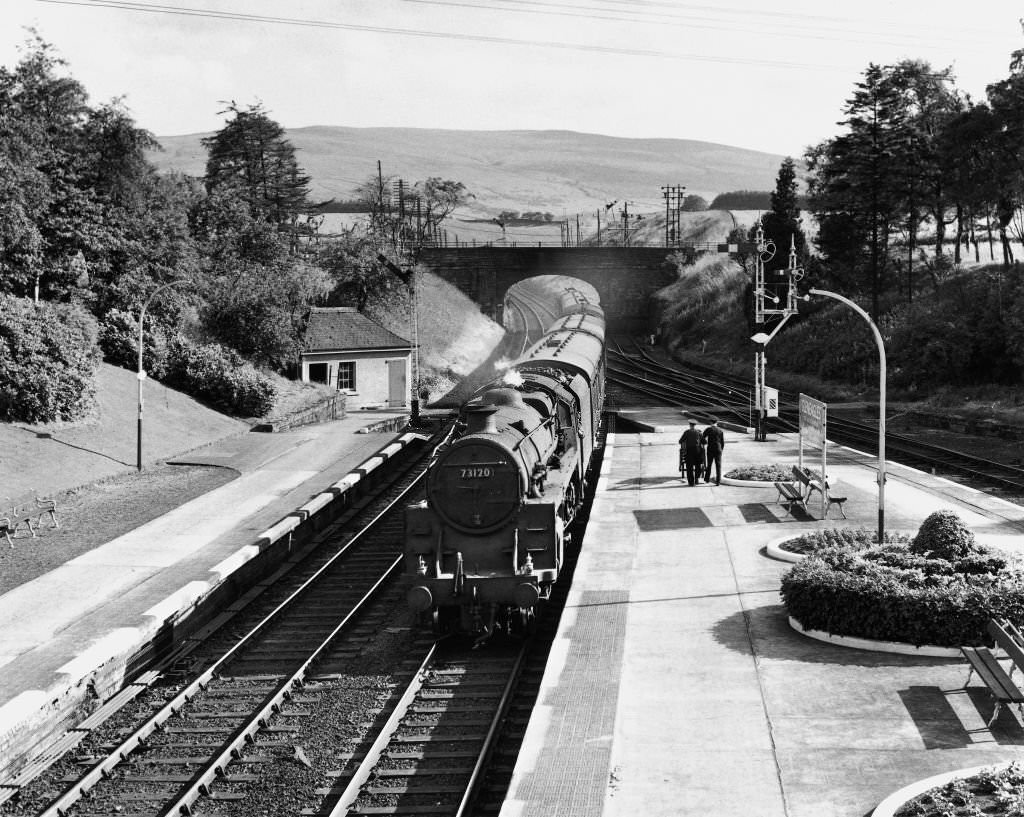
480, 419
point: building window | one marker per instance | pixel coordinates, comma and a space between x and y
317, 372
347, 376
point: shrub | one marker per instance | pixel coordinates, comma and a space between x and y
218, 376
119, 340
48, 360
943, 535
890, 593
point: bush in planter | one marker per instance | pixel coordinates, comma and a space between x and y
943, 535
844, 593
891, 592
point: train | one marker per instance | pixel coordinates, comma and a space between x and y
484, 548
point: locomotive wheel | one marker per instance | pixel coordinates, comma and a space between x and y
527, 621
438, 619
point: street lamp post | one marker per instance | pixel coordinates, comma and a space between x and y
142, 374
881, 402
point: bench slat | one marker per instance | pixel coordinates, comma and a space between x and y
989, 670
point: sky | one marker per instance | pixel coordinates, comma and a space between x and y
769, 76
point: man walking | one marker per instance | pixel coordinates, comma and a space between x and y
691, 452
714, 441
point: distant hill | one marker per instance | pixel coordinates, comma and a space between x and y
558, 171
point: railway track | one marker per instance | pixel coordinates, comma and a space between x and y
448, 745
528, 318
250, 688
709, 393
432, 752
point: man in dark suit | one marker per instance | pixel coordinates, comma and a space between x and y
691, 452
714, 441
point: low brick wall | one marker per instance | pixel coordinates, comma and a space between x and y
333, 408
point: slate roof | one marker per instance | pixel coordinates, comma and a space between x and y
339, 328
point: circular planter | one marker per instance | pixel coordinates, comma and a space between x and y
775, 551
895, 801
746, 483
896, 647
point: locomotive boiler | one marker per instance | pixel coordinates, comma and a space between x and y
484, 548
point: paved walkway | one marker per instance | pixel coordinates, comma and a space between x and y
677, 687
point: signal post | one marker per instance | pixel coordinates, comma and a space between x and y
767, 305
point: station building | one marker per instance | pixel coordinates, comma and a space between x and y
370, 365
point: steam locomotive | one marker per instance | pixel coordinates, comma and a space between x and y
487, 544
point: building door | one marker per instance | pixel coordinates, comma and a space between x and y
397, 385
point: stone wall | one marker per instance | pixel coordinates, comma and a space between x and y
625, 277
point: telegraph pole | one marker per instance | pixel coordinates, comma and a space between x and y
673, 206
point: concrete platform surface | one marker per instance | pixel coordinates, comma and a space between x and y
677, 687
107, 603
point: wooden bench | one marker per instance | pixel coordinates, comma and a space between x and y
810, 484
790, 493
23, 512
984, 662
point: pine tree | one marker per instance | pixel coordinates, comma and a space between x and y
856, 185
251, 155
782, 223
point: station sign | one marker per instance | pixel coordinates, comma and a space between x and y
813, 421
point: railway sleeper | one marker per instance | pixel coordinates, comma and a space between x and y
423, 787
453, 754
424, 768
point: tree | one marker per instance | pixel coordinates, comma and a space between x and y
41, 159
408, 218
693, 203
359, 268
854, 187
1006, 101
781, 224
251, 156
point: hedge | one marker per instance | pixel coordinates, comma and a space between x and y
888, 593
48, 361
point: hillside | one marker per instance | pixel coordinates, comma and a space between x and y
55, 456
561, 172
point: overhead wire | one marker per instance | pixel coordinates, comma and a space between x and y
841, 30
458, 36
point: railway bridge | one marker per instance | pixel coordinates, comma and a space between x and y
625, 277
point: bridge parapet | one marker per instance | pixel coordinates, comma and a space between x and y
624, 277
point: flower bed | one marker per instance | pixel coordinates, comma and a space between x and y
991, 792
761, 473
854, 539
940, 589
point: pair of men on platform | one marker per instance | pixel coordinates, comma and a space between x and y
699, 450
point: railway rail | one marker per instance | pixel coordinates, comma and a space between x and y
708, 393
434, 748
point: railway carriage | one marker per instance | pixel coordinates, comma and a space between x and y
487, 544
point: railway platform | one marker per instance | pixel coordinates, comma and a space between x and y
676, 685
69, 634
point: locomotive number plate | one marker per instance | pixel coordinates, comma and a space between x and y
477, 472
